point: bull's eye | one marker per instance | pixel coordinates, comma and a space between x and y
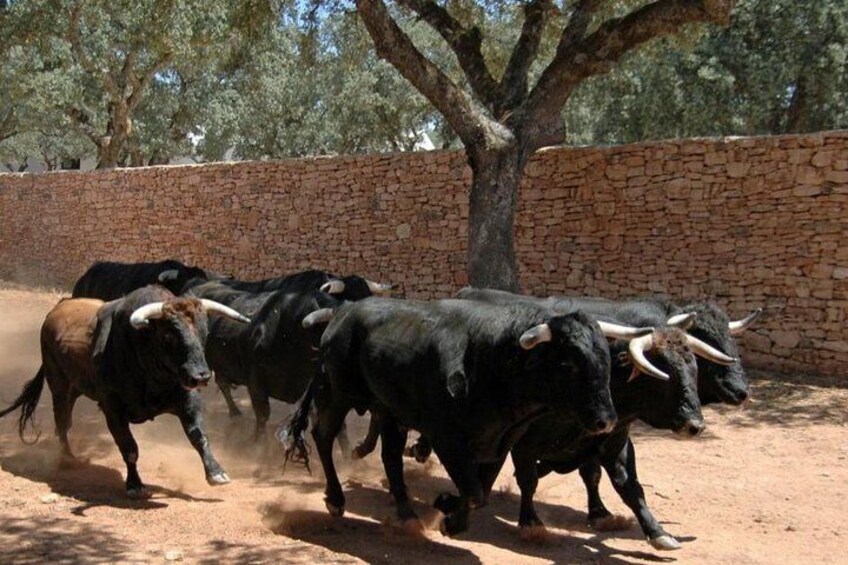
170, 338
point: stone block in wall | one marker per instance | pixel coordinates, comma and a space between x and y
788, 339
737, 169
809, 175
837, 177
616, 172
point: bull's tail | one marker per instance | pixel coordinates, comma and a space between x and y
291, 435
27, 401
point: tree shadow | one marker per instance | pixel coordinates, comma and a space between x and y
789, 402
46, 539
89, 483
225, 551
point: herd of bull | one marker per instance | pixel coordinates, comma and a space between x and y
555, 382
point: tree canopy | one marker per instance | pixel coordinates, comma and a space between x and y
138, 83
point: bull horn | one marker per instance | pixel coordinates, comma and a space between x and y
739, 326
536, 335
617, 331
682, 321
708, 352
379, 288
169, 275
216, 308
335, 286
637, 348
321, 316
141, 317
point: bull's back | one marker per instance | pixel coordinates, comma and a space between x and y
108, 281
67, 336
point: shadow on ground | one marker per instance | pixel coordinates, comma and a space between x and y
41, 539
90, 484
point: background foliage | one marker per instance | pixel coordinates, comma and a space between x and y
260, 79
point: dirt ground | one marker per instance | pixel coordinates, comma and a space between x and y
764, 484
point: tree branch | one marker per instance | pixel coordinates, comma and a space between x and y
513, 85
9, 126
580, 57
466, 44
393, 45
140, 85
82, 120
79, 51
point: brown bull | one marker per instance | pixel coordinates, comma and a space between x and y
137, 357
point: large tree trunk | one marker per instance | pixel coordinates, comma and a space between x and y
496, 175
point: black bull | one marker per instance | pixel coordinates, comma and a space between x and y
472, 377
137, 357
717, 382
557, 443
108, 280
351, 287
274, 355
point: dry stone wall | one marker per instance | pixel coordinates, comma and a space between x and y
747, 222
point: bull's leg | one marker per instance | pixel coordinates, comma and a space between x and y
367, 445
464, 472
227, 392
527, 477
330, 419
119, 427
394, 440
191, 418
591, 475
489, 474
261, 407
420, 450
64, 398
342, 438
621, 469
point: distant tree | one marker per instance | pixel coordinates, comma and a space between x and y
116, 53
311, 89
780, 67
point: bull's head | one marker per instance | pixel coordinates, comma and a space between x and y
354, 287
570, 360
668, 403
717, 382
177, 335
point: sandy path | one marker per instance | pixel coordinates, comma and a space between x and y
764, 485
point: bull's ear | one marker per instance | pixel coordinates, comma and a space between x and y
458, 384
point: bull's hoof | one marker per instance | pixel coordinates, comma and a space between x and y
447, 503
453, 525
335, 511
611, 523
536, 533
665, 542
235, 413
218, 479
138, 493
417, 452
